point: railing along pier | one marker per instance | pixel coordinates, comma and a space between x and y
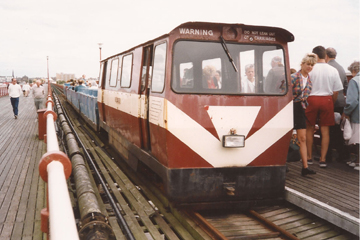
55, 167
3, 91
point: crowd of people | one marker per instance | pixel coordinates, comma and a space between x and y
77, 84
320, 93
15, 91
37, 91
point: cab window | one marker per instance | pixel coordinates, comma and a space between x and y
158, 76
126, 71
114, 72
204, 68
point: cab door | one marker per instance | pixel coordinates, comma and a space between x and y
101, 89
144, 96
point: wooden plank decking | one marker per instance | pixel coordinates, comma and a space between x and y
337, 185
22, 191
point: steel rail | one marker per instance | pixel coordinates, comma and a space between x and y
206, 226
123, 224
270, 224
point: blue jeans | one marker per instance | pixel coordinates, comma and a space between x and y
15, 104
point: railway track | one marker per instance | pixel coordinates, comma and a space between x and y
150, 216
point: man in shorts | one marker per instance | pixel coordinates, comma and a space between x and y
326, 84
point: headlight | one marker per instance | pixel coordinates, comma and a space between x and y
233, 141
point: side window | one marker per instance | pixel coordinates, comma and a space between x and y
126, 70
186, 75
211, 73
274, 72
158, 76
101, 73
114, 72
107, 76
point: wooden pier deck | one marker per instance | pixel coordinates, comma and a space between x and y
22, 191
332, 193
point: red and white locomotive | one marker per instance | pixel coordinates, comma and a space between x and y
207, 107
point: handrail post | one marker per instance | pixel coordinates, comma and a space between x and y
41, 124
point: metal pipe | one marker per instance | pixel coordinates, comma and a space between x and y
62, 220
49, 106
52, 143
85, 193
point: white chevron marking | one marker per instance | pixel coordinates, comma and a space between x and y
210, 148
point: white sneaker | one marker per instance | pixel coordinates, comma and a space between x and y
356, 167
322, 164
353, 164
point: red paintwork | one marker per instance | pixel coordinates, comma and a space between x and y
127, 125
275, 155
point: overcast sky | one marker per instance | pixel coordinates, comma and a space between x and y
68, 31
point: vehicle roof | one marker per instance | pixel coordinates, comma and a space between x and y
289, 37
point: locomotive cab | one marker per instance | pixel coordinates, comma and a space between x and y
207, 107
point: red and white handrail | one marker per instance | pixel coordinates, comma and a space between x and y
55, 168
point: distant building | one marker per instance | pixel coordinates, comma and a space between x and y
65, 76
5, 78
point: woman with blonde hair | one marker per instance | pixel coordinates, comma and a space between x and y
302, 85
208, 74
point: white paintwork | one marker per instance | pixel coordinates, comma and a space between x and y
241, 118
129, 103
62, 219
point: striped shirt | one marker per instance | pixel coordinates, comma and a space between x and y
300, 93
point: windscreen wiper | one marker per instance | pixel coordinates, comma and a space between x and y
228, 53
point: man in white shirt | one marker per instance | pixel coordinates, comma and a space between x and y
248, 84
14, 94
326, 84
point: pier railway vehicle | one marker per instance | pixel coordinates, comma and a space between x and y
183, 106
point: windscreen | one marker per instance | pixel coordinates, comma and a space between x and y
205, 68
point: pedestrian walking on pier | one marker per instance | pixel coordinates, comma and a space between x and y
38, 93
14, 94
26, 89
